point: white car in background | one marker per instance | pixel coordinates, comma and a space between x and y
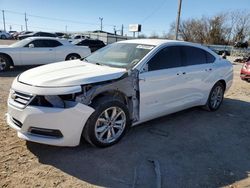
123, 84
39, 50
4, 35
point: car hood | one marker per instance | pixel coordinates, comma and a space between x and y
69, 73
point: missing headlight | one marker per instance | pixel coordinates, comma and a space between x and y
55, 101
48, 101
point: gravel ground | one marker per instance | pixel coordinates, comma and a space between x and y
194, 148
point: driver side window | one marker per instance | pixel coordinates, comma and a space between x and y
169, 57
37, 44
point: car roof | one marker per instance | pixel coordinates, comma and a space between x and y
154, 42
64, 41
157, 42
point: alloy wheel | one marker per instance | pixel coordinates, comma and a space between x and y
110, 125
216, 97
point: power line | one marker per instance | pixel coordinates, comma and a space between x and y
160, 5
57, 19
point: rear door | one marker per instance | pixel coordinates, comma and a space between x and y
198, 69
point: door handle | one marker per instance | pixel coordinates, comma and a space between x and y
142, 79
50, 49
210, 69
180, 73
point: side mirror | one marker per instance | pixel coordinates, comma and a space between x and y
145, 68
31, 45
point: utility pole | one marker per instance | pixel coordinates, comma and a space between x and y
122, 30
26, 20
114, 29
178, 20
4, 21
66, 28
101, 22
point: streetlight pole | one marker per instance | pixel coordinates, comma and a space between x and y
178, 20
101, 22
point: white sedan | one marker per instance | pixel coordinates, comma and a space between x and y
120, 85
39, 50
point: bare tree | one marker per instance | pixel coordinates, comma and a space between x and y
241, 28
154, 35
222, 28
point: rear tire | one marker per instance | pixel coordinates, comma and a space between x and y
5, 63
108, 123
216, 97
72, 57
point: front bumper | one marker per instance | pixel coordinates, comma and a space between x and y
244, 74
69, 121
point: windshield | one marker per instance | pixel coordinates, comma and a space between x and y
122, 55
20, 43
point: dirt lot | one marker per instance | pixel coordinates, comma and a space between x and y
194, 148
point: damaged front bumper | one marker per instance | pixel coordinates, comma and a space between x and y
47, 125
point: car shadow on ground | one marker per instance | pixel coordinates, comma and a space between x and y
194, 148
14, 71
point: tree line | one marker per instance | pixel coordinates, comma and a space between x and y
222, 28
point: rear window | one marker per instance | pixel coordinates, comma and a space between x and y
196, 56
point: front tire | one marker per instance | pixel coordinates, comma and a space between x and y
108, 123
216, 97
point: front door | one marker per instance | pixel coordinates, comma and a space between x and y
162, 84
37, 52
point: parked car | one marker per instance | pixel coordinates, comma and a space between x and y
79, 36
15, 35
4, 35
37, 34
39, 50
245, 71
12, 33
91, 43
241, 45
60, 34
221, 49
122, 84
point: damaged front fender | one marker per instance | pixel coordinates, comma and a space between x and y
127, 85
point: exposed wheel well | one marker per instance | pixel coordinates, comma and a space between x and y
113, 93
11, 61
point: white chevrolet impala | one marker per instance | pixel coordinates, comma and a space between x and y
39, 50
123, 84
